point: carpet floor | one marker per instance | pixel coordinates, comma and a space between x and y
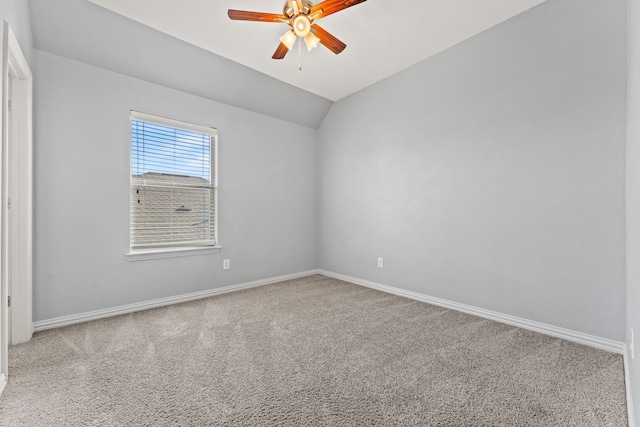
310, 351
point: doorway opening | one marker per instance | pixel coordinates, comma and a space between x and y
16, 212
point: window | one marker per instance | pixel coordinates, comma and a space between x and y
173, 184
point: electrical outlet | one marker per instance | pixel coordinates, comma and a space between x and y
632, 344
226, 264
380, 262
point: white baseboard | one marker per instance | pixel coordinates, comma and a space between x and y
145, 305
579, 337
627, 381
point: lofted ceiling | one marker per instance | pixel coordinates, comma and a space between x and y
382, 36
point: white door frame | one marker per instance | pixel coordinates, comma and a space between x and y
16, 184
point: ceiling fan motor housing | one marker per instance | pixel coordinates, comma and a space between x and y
288, 9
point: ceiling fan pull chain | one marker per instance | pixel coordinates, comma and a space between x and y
299, 55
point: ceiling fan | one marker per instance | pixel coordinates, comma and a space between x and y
301, 16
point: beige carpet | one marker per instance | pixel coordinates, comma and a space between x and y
312, 351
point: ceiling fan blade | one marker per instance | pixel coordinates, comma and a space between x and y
329, 7
280, 52
329, 40
245, 15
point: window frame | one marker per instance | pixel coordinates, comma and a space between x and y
178, 250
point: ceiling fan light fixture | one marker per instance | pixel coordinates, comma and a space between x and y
301, 25
311, 40
288, 39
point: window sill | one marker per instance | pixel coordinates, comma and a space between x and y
145, 255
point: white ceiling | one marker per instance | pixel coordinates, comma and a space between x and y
382, 36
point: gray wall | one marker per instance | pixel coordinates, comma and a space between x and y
492, 174
266, 197
633, 196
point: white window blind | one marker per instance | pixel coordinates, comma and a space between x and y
173, 183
